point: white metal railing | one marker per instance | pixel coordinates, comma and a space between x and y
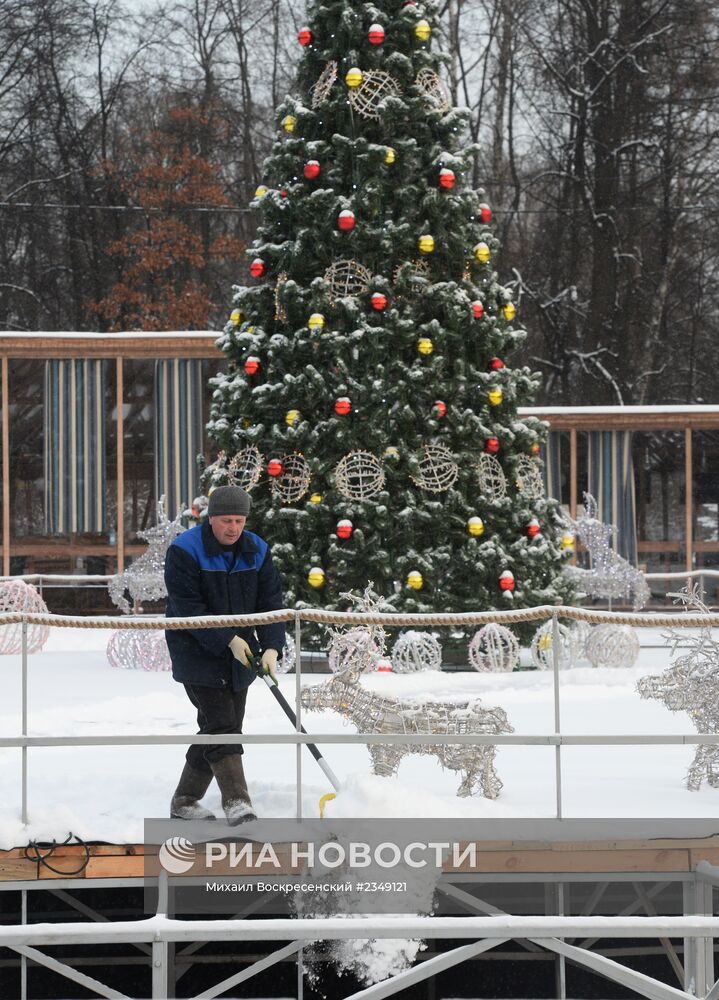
557, 739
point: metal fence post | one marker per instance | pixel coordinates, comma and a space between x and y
298, 709
159, 947
24, 720
557, 721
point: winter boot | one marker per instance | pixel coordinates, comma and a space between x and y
236, 801
186, 800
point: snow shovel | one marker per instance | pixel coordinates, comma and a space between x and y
287, 709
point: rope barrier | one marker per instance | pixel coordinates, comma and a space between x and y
341, 618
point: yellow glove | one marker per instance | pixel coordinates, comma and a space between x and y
241, 651
269, 664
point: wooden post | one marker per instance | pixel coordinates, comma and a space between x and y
689, 498
5, 469
120, 526
573, 472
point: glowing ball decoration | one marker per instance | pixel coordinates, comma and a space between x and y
16, 595
305, 37
379, 301
482, 253
316, 322
275, 467
415, 580
416, 651
354, 78
495, 397
507, 582
258, 268
494, 648
346, 221
252, 365
491, 445
440, 408
390, 156
485, 213
475, 526
447, 179
426, 243
509, 311
477, 309
425, 346
316, 577
130, 649
343, 406
376, 34
289, 123
422, 30
312, 170
344, 529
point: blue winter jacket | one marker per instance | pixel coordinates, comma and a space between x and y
203, 578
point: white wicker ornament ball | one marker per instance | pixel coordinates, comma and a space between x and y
416, 651
354, 651
434, 88
376, 87
138, 649
16, 595
359, 476
529, 478
294, 481
612, 646
287, 661
437, 470
346, 279
543, 647
492, 480
245, 468
580, 631
417, 270
494, 648
325, 82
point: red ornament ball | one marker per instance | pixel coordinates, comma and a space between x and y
506, 581
477, 309
383, 666
375, 34
533, 528
252, 365
496, 365
258, 268
536, 448
305, 37
343, 406
344, 529
447, 179
312, 170
346, 221
440, 408
491, 445
485, 213
275, 467
379, 301
283, 194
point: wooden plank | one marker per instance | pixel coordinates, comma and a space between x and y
5, 470
17, 869
120, 433
115, 867
100, 345
578, 861
710, 854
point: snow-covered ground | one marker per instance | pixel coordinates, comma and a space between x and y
105, 793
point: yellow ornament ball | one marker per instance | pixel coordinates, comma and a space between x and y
354, 78
390, 156
475, 526
482, 253
261, 191
509, 311
415, 580
289, 123
425, 346
236, 317
567, 541
316, 321
422, 30
544, 642
495, 397
291, 417
391, 453
426, 244
316, 498
316, 577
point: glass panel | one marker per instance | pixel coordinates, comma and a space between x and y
26, 395
660, 493
705, 446
139, 429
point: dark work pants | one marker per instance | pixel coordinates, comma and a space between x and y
219, 710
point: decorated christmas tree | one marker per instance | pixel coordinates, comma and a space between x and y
369, 404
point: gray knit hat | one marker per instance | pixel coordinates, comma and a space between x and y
226, 500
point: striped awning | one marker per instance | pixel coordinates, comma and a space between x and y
75, 446
611, 482
178, 431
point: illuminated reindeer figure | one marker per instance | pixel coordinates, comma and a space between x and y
145, 578
353, 652
691, 685
609, 575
